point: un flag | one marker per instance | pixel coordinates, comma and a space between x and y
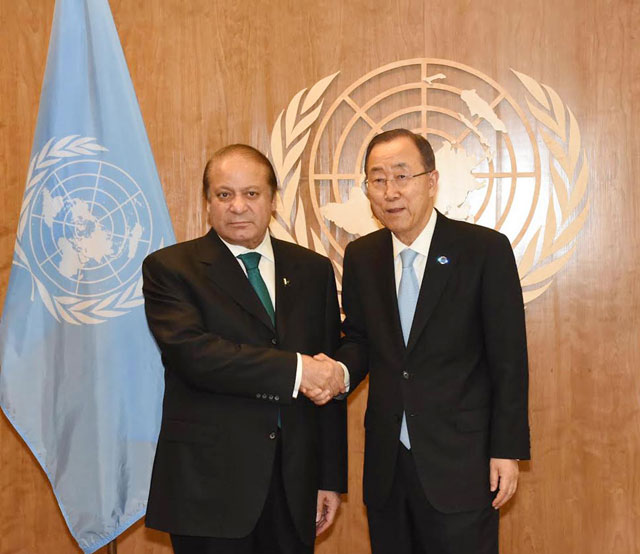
80, 377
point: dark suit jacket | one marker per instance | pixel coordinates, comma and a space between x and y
462, 379
227, 374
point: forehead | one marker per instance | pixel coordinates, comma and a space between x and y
399, 152
236, 170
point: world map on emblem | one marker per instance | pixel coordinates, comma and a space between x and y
457, 176
89, 228
484, 147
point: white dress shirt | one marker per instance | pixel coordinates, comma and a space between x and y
267, 268
421, 245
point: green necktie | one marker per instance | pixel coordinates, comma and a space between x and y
251, 261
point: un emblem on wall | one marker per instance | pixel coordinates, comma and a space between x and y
520, 172
85, 228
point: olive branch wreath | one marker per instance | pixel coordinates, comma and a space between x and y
569, 170
69, 308
293, 124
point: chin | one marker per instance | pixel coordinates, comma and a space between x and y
395, 226
243, 239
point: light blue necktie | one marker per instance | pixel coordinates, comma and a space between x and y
407, 300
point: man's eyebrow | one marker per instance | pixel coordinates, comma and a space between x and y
400, 165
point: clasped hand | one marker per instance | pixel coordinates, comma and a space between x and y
322, 378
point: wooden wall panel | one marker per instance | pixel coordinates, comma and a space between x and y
208, 73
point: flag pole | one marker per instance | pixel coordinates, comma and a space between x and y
112, 547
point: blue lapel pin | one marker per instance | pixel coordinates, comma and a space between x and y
442, 260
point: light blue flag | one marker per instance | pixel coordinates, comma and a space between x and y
80, 375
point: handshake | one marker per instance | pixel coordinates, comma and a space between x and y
322, 378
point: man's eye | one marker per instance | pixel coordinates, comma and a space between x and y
252, 194
401, 178
223, 195
378, 181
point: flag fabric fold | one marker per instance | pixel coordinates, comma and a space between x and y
81, 378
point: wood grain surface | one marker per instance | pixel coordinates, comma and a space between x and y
208, 73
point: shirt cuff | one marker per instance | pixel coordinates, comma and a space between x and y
296, 386
347, 377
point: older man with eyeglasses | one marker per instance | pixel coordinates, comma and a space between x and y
434, 316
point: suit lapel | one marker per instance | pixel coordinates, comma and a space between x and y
435, 278
287, 285
225, 271
387, 297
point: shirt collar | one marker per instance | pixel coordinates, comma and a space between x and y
422, 242
265, 248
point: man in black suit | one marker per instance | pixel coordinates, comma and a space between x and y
434, 315
245, 464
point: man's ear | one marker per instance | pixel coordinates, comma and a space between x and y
433, 182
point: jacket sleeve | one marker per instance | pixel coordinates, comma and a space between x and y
333, 415
506, 347
354, 347
205, 360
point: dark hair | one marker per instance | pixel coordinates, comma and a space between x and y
422, 144
246, 151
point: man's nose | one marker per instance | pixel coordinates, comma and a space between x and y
391, 191
238, 204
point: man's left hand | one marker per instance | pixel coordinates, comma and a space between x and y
503, 476
328, 504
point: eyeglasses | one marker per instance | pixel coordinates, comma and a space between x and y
400, 179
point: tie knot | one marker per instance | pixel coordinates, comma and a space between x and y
250, 260
408, 256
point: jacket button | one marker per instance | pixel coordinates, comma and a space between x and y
271, 397
276, 398
405, 374
258, 395
264, 396
274, 341
272, 435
